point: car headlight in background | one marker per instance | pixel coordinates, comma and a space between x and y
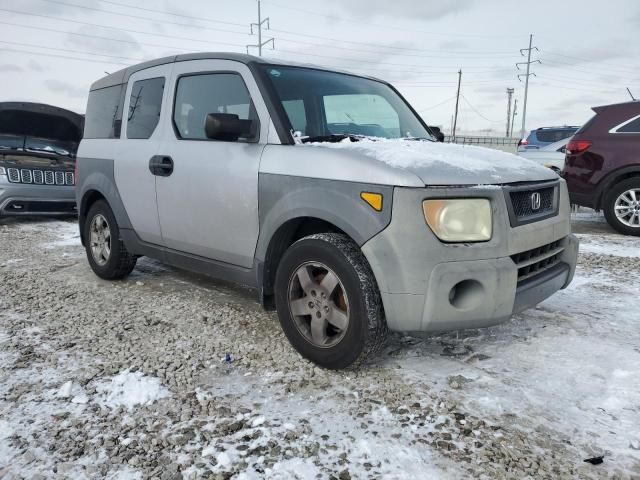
2, 171
459, 219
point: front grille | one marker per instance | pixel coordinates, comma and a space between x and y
527, 204
40, 177
538, 260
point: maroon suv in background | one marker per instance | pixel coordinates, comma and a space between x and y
602, 166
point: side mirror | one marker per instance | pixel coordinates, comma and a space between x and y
227, 127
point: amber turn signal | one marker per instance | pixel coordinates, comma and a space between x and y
373, 199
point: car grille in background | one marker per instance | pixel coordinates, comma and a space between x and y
538, 260
40, 177
521, 206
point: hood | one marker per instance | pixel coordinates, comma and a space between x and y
446, 163
40, 128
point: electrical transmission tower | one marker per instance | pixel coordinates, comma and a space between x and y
509, 95
258, 26
526, 75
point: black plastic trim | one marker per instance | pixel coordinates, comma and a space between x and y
513, 219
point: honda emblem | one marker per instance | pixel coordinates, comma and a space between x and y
536, 201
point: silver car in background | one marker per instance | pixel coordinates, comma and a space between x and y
551, 156
38, 145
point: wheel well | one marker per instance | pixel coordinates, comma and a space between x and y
91, 197
609, 184
288, 233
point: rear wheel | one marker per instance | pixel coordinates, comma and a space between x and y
622, 206
328, 301
106, 252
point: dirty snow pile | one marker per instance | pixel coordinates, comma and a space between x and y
403, 153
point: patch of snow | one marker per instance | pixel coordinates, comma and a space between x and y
297, 468
408, 154
129, 389
68, 234
126, 473
616, 245
258, 421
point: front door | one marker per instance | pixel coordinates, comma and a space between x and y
139, 141
208, 206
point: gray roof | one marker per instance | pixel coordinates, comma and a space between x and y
122, 76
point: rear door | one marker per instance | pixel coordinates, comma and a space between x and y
140, 139
208, 205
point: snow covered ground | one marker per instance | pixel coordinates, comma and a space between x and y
128, 380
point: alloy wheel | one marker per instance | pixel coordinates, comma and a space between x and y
100, 240
318, 304
627, 208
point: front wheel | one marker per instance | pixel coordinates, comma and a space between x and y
106, 252
328, 301
622, 206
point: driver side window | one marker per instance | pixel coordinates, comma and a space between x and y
199, 95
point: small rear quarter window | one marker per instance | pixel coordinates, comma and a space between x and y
104, 113
632, 127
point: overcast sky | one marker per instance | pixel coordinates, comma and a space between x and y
589, 49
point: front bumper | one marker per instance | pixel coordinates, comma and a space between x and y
28, 199
427, 285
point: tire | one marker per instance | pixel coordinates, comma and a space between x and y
115, 264
340, 284
619, 195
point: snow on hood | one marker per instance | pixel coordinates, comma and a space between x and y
447, 163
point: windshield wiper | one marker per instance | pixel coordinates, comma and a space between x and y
333, 138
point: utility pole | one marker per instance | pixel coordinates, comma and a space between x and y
509, 95
515, 112
455, 117
526, 75
259, 25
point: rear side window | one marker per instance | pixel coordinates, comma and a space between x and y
553, 136
199, 95
632, 127
144, 107
104, 113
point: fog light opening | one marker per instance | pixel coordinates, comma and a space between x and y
466, 295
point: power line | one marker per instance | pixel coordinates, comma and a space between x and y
477, 112
62, 56
30, 45
78, 22
190, 17
138, 17
435, 106
360, 22
87, 35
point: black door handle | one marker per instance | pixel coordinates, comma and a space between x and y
161, 165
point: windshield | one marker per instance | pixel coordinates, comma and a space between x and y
327, 106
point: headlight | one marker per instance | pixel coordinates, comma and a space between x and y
2, 171
459, 220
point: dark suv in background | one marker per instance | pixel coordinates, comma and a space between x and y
602, 166
38, 145
544, 136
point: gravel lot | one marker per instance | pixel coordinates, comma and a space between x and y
173, 375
